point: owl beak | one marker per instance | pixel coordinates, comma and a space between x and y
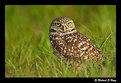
65, 28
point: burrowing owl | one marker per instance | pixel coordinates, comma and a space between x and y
70, 45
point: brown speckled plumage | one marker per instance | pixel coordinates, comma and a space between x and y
70, 45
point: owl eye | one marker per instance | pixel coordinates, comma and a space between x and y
69, 23
58, 24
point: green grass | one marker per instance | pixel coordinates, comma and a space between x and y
28, 52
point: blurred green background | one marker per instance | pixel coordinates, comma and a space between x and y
28, 52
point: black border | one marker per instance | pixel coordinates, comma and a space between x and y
67, 2
60, 2
2, 41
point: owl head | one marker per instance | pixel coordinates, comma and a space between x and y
62, 26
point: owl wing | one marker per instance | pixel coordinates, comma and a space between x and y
87, 49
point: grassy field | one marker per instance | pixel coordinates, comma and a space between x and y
28, 52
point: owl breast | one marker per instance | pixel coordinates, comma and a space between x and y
75, 47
